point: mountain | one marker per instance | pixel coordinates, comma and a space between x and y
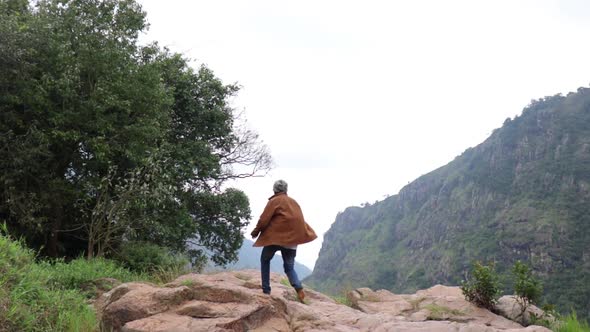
249, 258
522, 194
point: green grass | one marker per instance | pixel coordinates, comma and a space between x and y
416, 303
81, 273
342, 296
285, 282
53, 295
163, 275
28, 302
439, 312
343, 299
570, 323
188, 283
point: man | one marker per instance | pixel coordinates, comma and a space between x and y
281, 227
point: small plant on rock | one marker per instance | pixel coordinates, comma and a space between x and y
188, 283
548, 319
441, 312
416, 303
528, 290
343, 299
483, 288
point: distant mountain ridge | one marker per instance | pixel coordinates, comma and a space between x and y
522, 194
249, 258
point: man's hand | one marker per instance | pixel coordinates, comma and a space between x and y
254, 234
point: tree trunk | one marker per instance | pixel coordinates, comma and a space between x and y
90, 250
53, 240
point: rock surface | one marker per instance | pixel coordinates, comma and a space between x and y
510, 308
233, 301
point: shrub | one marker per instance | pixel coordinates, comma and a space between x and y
483, 288
548, 318
343, 299
528, 290
160, 262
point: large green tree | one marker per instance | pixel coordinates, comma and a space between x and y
104, 140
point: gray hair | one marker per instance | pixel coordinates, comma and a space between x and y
280, 186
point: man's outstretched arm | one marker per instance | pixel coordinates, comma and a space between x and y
264, 219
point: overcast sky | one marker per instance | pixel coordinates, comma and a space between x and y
355, 99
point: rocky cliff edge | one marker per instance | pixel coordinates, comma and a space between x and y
233, 301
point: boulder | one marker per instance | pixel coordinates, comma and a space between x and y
509, 307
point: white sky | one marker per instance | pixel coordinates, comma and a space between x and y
355, 99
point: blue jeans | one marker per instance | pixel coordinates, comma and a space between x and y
268, 253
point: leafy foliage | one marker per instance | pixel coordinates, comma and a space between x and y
145, 257
106, 141
549, 318
483, 288
527, 288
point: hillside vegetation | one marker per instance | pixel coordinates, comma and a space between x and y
523, 194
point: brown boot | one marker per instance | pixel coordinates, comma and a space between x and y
300, 295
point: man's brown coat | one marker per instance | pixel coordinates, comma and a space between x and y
282, 223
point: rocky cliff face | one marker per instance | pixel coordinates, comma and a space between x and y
233, 301
523, 194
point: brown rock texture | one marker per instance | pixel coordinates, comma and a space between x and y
233, 301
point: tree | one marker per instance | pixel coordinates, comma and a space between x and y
80, 104
204, 141
105, 141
